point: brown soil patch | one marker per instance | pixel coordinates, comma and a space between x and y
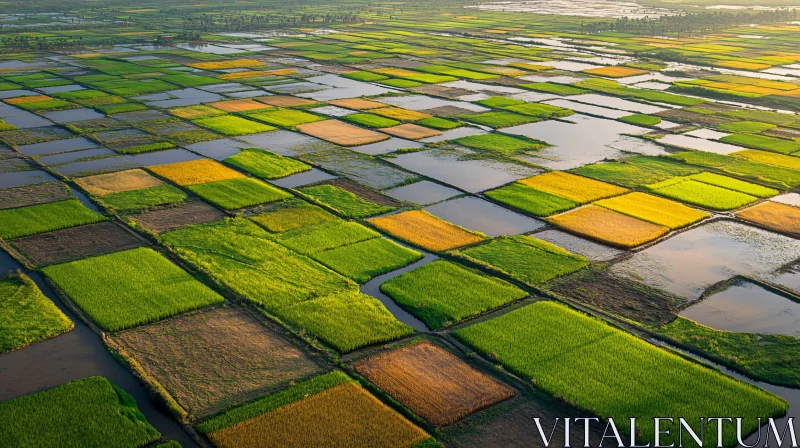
411, 131
773, 215
42, 193
285, 101
445, 92
509, 81
447, 111
432, 382
212, 359
173, 218
357, 103
341, 133
362, 192
684, 116
615, 295
335, 69
76, 242
130, 180
239, 105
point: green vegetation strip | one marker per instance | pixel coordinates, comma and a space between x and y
293, 214
325, 236
701, 194
26, 315
344, 202
774, 176
636, 171
371, 120
587, 362
25, 221
531, 200
364, 260
130, 288
237, 193
87, 412
128, 201
265, 164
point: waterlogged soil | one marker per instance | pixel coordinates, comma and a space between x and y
424, 192
363, 192
287, 143
688, 263
483, 216
175, 217
575, 244
33, 194
598, 288
747, 307
76, 242
58, 146
387, 146
17, 179
359, 167
314, 175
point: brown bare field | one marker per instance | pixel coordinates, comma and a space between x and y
357, 103
775, 216
195, 172
343, 416
239, 105
447, 111
446, 92
75, 242
425, 230
341, 133
130, 180
411, 131
362, 191
432, 382
609, 226
285, 101
175, 217
211, 359
33, 194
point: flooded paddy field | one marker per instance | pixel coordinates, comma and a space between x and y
415, 225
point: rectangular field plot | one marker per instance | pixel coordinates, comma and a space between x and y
135, 200
690, 262
34, 219
773, 215
346, 202
425, 230
211, 359
196, 212
27, 315
231, 125
325, 236
121, 181
287, 118
291, 215
432, 382
341, 133
265, 164
734, 184
61, 414
531, 200
329, 410
242, 256
364, 260
525, 258
759, 171
609, 226
575, 350
577, 188
653, 209
442, 292
130, 288
195, 172
40, 193
75, 242
690, 191
237, 193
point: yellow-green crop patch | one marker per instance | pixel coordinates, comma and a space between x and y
26, 221
265, 164
654, 209
701, 194
230, 125
364, 260
240, 192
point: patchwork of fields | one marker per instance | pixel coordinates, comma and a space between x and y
263, 224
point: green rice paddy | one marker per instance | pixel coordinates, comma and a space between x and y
265, 164
531, 200
27, 315
344, 202
241, 192
364, 260
34, 219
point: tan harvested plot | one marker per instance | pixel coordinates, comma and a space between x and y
578, 188
357, 103
239, 105
130, 180
615, 71
195, 172
654, 209
773, 215
341, 133
285, 101
432, 382
609, 226
426, 230
207, 360
345, 415
411, 131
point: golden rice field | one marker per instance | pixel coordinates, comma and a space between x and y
257, 73
654, 209
357, 103
227, 64
609, 226
432, 382
27, 99
773, 215
398, 113
103, 184
578, 188
425, 230
341, 133
193, 112
613, 71
345, 415
411, 131
195, 172
239, 105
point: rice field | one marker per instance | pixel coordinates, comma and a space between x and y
653, 209
576, 188
524, 258
325, 236
344, 202
609, 226
231, 125
575, 350
441, 293
531, 200
238, 193
265, 164
292, 215
364, 260
130, 288
34, 219
371, 120
432, 382
285, 118
145, 198
27, 315
425, 230
195, 172
701, 194
120, 181
341, 133
773, 215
